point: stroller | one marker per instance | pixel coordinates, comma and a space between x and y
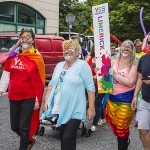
52, 121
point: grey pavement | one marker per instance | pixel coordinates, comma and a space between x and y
102, 139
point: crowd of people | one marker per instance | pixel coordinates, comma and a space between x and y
65, 98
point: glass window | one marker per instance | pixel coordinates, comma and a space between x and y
7, 11
40, 20
7, 43
40, 31
7, 28
26, 27
82, 40
26, 15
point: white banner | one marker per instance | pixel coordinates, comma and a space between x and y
102, 47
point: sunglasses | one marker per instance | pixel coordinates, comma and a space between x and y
148, 42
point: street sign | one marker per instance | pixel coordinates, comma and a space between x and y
70, 18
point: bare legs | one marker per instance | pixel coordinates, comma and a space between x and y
145, 137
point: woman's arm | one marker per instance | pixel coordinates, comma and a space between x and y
49, 89
88, 82
91, 98
91, 109
127, 81
136, 91
5, 78
138, 85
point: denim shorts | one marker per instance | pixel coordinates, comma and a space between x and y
143, 115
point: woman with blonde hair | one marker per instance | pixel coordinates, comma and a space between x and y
118, 110
65, 95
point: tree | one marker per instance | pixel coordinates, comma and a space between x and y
123, 17
65, 7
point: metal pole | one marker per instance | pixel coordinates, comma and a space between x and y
69, 32
70, 27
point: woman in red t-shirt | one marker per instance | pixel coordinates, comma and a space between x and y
98, 97
24, 72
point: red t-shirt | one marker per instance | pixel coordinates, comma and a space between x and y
20, 86
93, 72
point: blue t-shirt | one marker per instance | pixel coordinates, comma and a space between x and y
144, 69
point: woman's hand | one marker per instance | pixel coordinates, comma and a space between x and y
96, 69
112, 72
91, 113
36, 105
95, 77
147, 81
133, 104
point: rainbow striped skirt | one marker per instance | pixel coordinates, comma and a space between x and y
119, 114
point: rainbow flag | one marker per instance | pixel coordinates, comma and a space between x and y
119, 114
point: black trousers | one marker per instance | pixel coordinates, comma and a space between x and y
123, 143
20, 118
68, 133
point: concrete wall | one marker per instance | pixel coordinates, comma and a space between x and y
48, 8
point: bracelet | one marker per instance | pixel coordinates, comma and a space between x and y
134, 96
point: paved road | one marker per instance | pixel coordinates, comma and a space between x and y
102, 139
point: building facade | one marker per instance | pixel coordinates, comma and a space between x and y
40, 15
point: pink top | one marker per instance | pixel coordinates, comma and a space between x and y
119, 88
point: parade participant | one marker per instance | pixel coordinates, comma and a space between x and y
118, 112
138, 47
24, 72
98, 97
113, 50
146, 44
143, 110
2, 43
83, 53
65, 95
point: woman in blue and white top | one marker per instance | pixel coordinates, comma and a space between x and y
65, 95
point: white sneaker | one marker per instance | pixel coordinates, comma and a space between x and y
93, 128
101, 122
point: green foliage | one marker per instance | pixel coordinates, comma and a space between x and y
124, 17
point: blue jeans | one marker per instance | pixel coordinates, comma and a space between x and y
98, 107
102, 114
